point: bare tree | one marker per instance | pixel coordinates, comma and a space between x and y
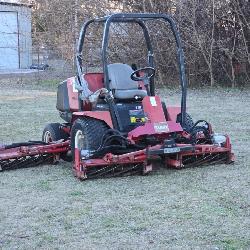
215, 34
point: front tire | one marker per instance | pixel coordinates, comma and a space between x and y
91, 131
53, 132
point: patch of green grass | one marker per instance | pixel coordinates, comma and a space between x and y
140, 227
48, 238
67, 225
45, 240
76, 193
44, 185
50, 83
76, 214
235, 244
50, 216
109, 222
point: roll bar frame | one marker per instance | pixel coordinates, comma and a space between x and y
140, 19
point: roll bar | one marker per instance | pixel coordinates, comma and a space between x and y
138, 18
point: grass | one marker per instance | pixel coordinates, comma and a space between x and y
196, 208
50, 83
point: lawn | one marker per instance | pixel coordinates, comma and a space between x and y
196, 208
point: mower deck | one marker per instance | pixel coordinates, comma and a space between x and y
25, 155
30, 154
142, 161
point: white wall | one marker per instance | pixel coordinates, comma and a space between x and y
23, 37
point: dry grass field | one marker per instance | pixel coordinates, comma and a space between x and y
197, 208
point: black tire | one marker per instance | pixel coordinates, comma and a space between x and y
53, 132
92, 130
189, 123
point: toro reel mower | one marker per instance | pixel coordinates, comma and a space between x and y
115, 125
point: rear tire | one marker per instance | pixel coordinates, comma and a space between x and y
189, 123
53, 132
92, 131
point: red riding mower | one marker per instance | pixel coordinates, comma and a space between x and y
115, 125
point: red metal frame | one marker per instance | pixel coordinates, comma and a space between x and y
99, 115
141, 156
160, 130
17, 152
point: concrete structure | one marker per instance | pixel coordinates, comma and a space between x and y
15, 36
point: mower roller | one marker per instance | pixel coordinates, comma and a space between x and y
115, 125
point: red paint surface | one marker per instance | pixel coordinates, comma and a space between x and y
53, 148
149, 129
73, 96
95, 81
100, 115
153, 113
172, 113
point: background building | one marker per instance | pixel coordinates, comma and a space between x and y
15, 35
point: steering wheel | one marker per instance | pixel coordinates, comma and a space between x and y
148, 72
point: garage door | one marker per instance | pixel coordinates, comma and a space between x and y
9, 54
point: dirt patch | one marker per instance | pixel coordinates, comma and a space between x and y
196, 208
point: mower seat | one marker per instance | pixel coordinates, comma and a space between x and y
122, 86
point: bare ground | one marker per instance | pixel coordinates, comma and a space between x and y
196, 208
